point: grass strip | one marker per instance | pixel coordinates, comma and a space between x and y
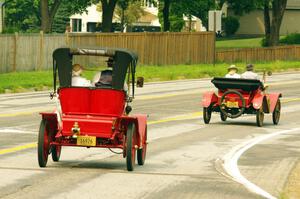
42, 80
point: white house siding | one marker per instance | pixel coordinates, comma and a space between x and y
91, 16
253, 23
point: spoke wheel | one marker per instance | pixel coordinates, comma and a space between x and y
130, 147
276, 113
43, 144
141, 153
206, 114
223, 106
56, 151
223, 117
260, 117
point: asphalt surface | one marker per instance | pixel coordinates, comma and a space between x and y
185, 158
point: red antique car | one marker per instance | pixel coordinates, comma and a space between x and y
236, 97
94, 116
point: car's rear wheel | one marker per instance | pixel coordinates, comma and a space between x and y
130, 146
223, 117
56, 151
43, 144
207, 114
260, 117
276, 112
141, 153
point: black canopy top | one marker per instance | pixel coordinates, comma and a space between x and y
237, 83
124, 61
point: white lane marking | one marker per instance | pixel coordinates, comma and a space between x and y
230, 162
6, 130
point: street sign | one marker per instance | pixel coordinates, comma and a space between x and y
215, 20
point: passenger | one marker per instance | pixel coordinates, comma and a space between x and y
232, 72
77, 80
249, 74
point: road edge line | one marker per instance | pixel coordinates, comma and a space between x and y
230, 162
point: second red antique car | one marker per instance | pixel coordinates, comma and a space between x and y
236, 97
94, 116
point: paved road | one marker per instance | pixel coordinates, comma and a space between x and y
185, 159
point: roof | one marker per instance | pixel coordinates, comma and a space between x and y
236, 83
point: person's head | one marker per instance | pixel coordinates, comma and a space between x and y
110, 62
106, 77
76, 69
232, 69
250, 67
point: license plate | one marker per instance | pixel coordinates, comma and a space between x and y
230, 104
86, 140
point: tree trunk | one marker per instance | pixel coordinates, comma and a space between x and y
166, 13
108, 8
190, 23
45, 26
47, 15
278, 8
267, 22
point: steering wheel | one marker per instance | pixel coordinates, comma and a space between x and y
223, 106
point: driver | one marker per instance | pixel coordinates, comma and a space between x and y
77, 80
106, 77
249, 74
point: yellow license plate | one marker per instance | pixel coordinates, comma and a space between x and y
86, 140
230, 104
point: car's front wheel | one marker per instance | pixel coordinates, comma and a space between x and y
206, 114
260, 117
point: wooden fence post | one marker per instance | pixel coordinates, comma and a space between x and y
14, 66
41, 52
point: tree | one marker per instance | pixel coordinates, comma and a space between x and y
21, 15
129, 11
31, 15
108, 8
48, 11
272, 24
171, 10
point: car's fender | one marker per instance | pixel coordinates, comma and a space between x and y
209, 98
262, 100
258, 100
273, 97
52, 121
140, 121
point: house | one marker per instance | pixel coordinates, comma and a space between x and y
253, 22
90, 21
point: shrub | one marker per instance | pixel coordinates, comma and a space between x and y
263, 42
231, 25
293, 38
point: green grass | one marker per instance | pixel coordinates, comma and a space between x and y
238, 43
20, 82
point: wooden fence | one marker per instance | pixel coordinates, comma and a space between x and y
259, 54
27, 52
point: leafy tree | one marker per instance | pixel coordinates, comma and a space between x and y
272, 23
231, 24
129, 11
35, 15
108, 8
171, 10
22, 15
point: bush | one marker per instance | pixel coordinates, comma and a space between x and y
231, 25
263, 42
293, 38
